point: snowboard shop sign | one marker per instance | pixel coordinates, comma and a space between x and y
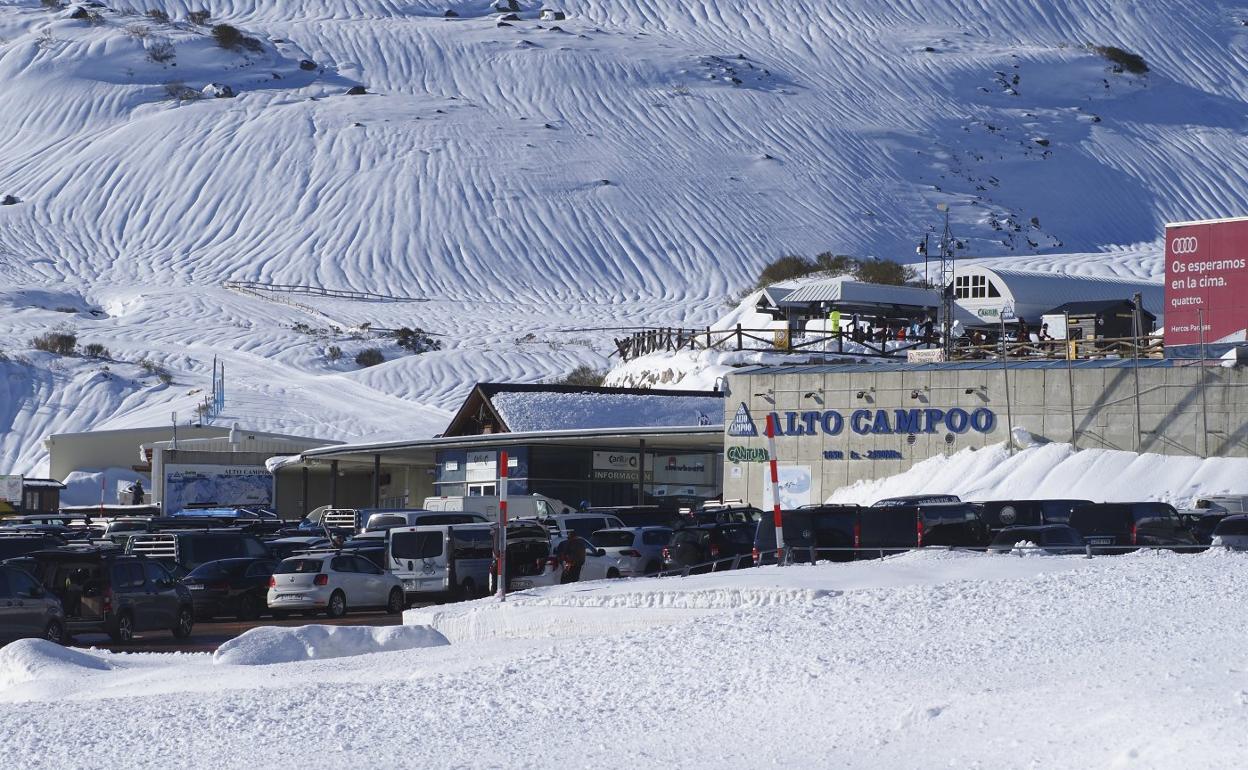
866, 422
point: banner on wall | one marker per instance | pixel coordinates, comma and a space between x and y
223, 485
795, 486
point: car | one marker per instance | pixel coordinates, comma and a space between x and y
818, 527
999, 514
333, 583
637, 551
892, 528
442, 560
724, 514
1225, 504
1119, 527
15, 543
285, 547
530, 559
1050, 538
1232, 533
107, 591
236, 587
637, 516
584, 524
380, 521
184, 550
907, 500
27, 609
710, 547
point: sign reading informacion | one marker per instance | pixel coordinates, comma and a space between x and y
1206, 281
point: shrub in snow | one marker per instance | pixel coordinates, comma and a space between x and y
151, 367
415, 340
218, 91
62, 342
9, 200
161, 51
333, 353
884, 271
231, 38
180, 91
356, 91
94, 350
158, 15
509, 17
369, 357
56, 4
136, 31
583, 375
307, 65
1131, 62
506, 5
199, 17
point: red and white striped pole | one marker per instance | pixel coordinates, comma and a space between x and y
775, 488
500, 558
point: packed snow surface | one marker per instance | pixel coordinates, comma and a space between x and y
275, 644
931, 659
544, 184
1058, 471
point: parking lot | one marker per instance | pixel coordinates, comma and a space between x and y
207, 637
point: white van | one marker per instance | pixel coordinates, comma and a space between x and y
384, 520
518, 506
442, 559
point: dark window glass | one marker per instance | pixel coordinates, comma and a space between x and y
386, 522
1101, 519
365, 566
1232, 526
474, 544
585, 527
416, 545
260, 569
4, 584
21, 585
299, 566
612, 539
342, 564
197, 550
656, 537
443, 519
154, 572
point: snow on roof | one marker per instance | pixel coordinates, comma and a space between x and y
547, 410
1054, 289
849, 291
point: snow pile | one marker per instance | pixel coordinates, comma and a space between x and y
87, 487
38, 660
1058, 471
275, 644
542, 411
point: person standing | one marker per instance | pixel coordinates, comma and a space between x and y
571, 553
136, 493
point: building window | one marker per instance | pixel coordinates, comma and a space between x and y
961, 287
979, 286
992, 290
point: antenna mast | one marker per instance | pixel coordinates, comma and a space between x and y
947, 270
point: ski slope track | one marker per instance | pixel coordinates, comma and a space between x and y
632, 164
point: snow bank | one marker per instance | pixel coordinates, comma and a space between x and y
30, 660
1058, 470
83, 487
272, 644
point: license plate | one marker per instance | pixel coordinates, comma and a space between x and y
290, 596
194, 587
518, 585
1101, 540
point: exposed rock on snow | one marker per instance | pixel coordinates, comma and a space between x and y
218, 91
549, 14
357, 91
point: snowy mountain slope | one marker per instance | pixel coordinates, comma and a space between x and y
630, 167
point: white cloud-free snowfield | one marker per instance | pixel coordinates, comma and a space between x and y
633, 167
926, 660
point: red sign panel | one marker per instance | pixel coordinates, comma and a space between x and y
1206, 282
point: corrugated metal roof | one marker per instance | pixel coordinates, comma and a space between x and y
884, 367
848, 291
1054, 289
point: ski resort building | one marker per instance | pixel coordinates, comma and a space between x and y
982, 293
606, 446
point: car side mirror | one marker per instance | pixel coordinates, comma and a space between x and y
600, 552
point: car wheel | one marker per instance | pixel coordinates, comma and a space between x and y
55, 632
186, 622
248, 607
613, 573
123, 633
395, 605
337, 606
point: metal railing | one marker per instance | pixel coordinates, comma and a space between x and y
318, 291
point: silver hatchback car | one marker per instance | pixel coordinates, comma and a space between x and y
332, 583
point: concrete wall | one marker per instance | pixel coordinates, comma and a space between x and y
1102, 401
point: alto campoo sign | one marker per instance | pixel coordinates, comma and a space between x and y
868, 422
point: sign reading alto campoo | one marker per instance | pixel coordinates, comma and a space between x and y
869, 421
1206, 281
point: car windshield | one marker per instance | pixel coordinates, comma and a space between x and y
1232, 526
609, 539
385, 522
1012, 536
296, 566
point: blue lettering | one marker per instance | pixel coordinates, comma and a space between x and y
983, 420
859, 421
956, 420
775, 422
908, 421
833, 423
791, 428
834, 454
881, 423
810, 419
932, 418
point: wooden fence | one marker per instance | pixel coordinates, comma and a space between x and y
738, 338
318, 291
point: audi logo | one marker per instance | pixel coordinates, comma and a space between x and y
1183, 245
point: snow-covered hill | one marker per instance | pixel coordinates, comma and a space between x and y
631, 164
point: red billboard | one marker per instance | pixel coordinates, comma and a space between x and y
1206, 281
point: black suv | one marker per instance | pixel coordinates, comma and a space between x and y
719, 543
894, 527
1120, 527
184, 550
820, 526
104, 591
999, 514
